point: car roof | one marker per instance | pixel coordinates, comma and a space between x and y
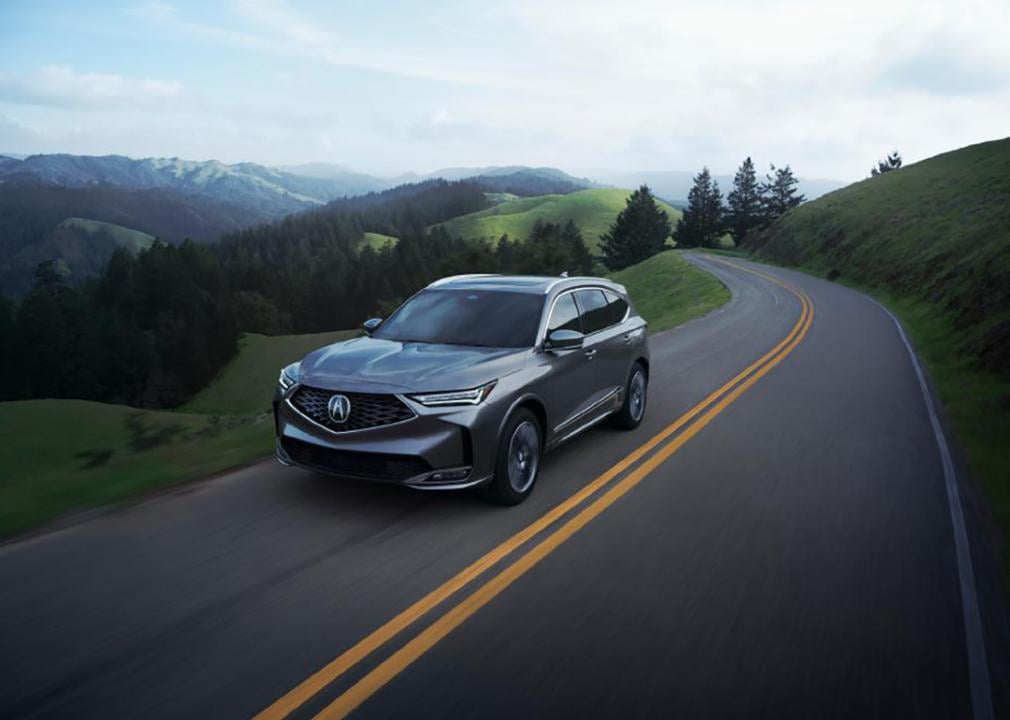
532, 284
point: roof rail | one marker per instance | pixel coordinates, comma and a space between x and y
444, 280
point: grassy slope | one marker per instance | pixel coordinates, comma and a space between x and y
592, 210
667, 290
48, 444
933, 242
378, 240
129, 238
246, 385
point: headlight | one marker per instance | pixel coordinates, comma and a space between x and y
288, 376
455, 397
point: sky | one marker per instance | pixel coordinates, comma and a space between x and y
590, 87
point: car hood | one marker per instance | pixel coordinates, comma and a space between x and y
366, 364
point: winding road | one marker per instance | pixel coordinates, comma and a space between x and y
784, 536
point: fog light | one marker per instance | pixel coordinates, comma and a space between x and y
449, 475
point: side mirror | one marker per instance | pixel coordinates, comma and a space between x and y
371, 324
564, 340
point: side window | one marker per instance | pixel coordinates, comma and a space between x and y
565, 315
618, 306
595, 313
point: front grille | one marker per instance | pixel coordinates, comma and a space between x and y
365, 465
367, 410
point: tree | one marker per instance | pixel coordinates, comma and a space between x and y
505, 254
552, 249
891, 162
701, 223
778, 193
639, 232
744, 200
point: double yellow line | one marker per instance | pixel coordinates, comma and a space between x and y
691, 422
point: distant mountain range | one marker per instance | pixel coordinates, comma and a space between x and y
174, 199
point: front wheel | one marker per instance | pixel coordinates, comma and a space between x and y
632, 411
518, 463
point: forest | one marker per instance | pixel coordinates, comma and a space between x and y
153, 328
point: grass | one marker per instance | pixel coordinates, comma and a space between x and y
246, 385
931, 241
64, 455
133, 240
592, 210
377, 240
667, 290
61, 455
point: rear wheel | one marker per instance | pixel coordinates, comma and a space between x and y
632, 411
518, 462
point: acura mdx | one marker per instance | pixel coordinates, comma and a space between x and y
468, 383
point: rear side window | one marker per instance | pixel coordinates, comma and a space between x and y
595, 311
565, 315
618, 307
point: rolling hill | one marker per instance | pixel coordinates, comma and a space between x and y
592, 210
938, 230
247, 384
125, 237
36, 225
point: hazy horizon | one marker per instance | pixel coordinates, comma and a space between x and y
591, 88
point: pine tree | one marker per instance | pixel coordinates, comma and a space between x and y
744, 200
639, 232
778, 193
505, 255
582, 260
701, 223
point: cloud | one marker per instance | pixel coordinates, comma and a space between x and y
60, 86
17, 139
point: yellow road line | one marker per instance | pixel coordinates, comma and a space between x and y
308, 688
448, 622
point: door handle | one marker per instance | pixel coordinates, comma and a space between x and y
591, 353
627, 337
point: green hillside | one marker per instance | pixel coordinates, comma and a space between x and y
133, 240
938, 230
668, 290
933, 241
377, 240
246, 385
60, 455
592, 210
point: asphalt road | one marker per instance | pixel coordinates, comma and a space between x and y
792, 556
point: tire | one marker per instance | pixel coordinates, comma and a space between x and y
632, 411
520, 451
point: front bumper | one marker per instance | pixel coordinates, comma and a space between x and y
439, 448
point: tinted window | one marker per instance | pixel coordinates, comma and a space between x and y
618, 307
565, 315
595, 313
466, 317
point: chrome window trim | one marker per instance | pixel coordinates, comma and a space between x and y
545, 321
627, 309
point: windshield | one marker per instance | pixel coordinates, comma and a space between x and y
466, 317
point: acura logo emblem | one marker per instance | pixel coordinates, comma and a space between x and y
339, 408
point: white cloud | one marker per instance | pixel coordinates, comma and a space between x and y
642, 84
61, 86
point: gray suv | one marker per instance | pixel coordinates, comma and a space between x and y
467, 384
